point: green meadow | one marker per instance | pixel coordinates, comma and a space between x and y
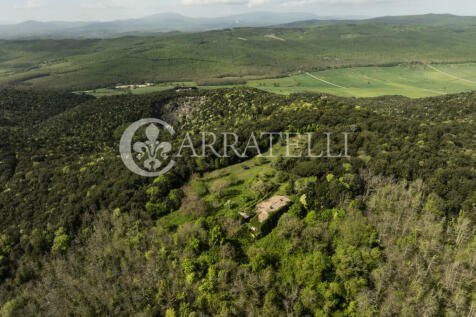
414, 81
411, 81
104, 92
233, 189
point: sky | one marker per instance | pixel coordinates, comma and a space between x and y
14, 11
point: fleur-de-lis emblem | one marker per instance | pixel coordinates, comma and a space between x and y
152, 149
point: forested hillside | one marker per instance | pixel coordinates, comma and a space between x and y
389, 231
229, 55
20, 111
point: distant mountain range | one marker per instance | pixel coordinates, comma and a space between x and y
173, 22
164, 22
425, 19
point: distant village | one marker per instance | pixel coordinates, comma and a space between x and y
134, 86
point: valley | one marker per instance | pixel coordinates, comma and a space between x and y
221, 57
90, 225
414, 81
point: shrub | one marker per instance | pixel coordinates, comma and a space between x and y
193, 205
282, 177
61, 241
297, 211
170, 313
219, 187
200, 188
261, 187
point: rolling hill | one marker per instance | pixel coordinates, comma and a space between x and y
424, 19
429, 19
163, 22
386, 229
228, 55
80, 234
174, 22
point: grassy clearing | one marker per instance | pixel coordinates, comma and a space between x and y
239, 177
104, 92
412, 81
235, 190
231, 190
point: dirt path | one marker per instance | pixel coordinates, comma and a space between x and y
452, 76
431, 90
325, 81
274, 37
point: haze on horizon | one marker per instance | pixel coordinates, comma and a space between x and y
15, 11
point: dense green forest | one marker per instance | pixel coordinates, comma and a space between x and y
386, 232
231, 55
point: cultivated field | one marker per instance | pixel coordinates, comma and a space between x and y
411, 81
414, 81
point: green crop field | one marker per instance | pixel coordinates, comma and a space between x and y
104, 92
411, 81
414, 81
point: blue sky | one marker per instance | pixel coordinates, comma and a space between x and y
12, 11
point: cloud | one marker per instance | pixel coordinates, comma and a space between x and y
250, 3
308, 2
115, 4
207, 2
30, 4
34, 3
283, 3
